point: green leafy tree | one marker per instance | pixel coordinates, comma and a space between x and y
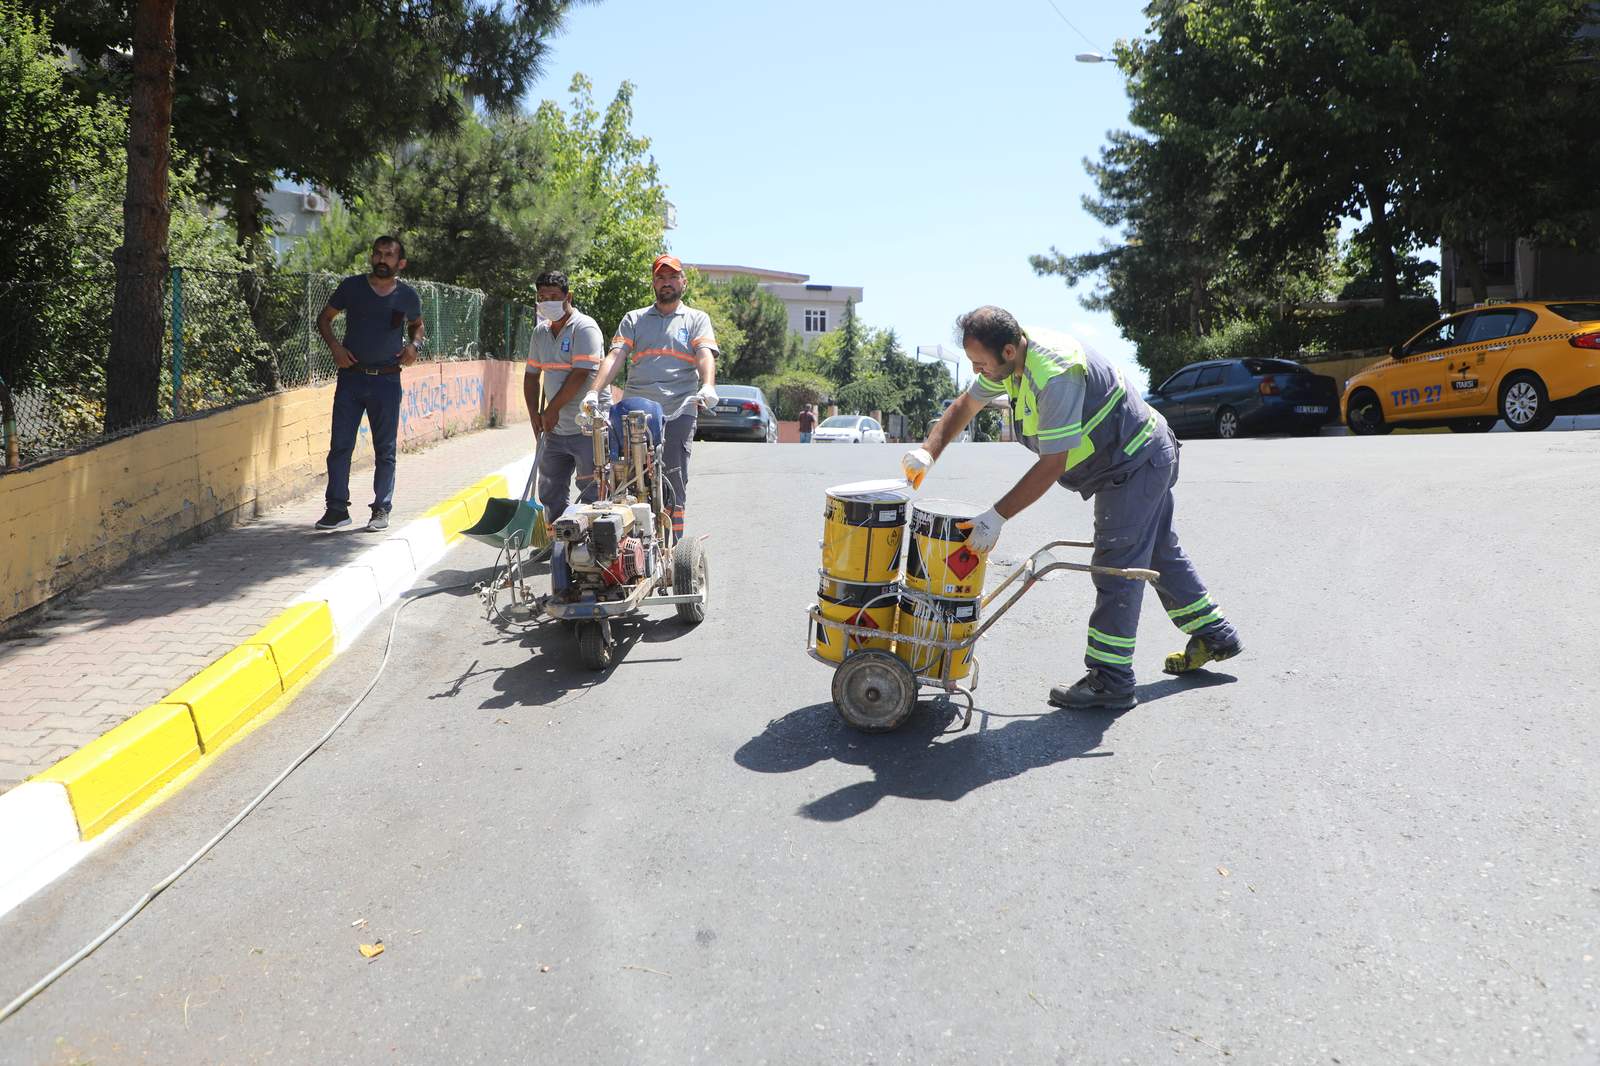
851, 348
610, 166
313, 88
793, 389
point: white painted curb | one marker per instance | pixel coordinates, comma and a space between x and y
38, 839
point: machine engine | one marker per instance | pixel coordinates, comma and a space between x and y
606, 543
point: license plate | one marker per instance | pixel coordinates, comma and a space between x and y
727, 408
1310, 410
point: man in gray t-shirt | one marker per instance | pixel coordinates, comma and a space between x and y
671, 351
1073, 410
567, 344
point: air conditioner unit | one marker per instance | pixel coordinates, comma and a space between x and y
314, 203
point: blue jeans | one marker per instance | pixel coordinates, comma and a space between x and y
378, 397
805, 436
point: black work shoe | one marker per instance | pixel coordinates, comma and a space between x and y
334, 518
1090, 693
378, 522
1199, 652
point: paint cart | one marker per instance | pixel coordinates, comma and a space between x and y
875, 688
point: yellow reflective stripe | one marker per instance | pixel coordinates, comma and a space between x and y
1203, 601
1201, 623
1106, 638
1140, 438
1107, 657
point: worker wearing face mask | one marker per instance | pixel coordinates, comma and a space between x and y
567, 344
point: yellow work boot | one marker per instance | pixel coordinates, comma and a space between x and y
1200, 652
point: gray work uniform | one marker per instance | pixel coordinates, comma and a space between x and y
661, 366
1121, 454
567, 450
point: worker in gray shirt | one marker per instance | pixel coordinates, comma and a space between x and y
1072, 409
567, 344
672, 359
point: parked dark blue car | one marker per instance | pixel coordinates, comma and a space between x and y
1230, 397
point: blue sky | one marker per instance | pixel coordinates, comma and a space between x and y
920, 150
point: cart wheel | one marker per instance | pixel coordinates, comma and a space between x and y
873, 691
592, 647
689, 577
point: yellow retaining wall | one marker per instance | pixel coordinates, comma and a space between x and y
74, 518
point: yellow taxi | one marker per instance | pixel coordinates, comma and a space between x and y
1524, 362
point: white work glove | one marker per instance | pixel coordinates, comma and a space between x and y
915, 464
591, 404
985, 531
707, 396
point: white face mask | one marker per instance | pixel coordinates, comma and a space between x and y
552, 309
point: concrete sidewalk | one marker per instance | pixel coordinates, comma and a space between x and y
106, 654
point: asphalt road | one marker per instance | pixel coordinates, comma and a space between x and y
1371, 839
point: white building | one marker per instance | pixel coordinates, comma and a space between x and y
294, 211
813, 309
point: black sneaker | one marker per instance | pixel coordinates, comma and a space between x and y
1090, 693
334, 518
378, 522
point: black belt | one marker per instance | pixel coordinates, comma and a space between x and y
372, 371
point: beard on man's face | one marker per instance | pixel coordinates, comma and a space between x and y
382, 270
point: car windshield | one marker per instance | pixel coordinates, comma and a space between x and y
1577, 312
1274, 366
738, 392
842, 422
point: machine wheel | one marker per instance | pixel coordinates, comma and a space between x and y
1364, 416
690, 575
873, 691
592, 647
1472, 425
1227, 423
1525, 403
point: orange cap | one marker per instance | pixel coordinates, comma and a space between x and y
666, 261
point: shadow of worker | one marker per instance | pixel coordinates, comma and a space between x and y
915, 761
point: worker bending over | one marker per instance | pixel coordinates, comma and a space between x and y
1072, 409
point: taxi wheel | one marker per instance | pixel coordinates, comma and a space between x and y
1525, 403
1364, 416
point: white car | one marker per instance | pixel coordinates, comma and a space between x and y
849, 429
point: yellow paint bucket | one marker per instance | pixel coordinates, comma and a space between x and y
863, 526
938, 562
857, 605
933, 618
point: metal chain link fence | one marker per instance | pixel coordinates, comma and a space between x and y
228, 337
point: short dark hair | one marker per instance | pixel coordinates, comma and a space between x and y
551, 277
399, 248
991, 326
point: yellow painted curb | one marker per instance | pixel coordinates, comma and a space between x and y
110, 775
117, 772
229, 692
451, 516
298, 638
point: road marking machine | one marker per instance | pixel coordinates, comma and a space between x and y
616, 556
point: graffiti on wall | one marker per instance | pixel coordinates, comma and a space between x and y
441, 399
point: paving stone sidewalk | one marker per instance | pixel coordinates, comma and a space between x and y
113, 650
